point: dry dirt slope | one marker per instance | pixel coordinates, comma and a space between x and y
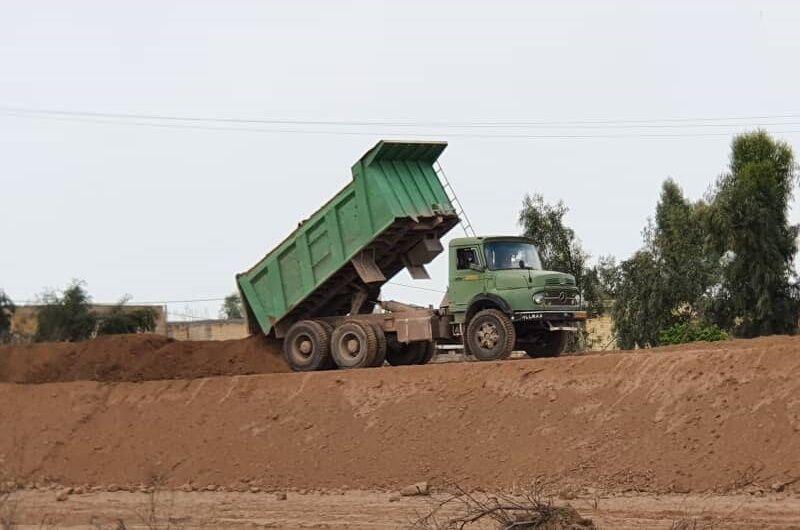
138, 358
688, 419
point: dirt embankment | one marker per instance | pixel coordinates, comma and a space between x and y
695, 418
138, 358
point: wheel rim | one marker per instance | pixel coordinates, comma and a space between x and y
488, 336
350, 345
303, 346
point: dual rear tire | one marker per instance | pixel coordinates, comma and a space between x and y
307, 346
312, 345
400, 354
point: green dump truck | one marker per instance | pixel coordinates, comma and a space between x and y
319, 289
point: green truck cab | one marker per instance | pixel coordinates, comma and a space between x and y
502, 300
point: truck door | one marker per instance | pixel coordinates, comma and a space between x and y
466, 281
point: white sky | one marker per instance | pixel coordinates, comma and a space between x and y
174, 213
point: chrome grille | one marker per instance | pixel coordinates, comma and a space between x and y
560, 297
559, 281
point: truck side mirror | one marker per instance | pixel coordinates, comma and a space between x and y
476, 267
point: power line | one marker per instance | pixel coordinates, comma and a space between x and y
417, 287
201, 300
604, 123
393, 134
181, 301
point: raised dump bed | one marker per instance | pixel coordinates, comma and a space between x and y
390, 216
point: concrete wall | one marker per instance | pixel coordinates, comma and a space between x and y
601, 333
208, 329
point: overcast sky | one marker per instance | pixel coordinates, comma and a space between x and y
172, 213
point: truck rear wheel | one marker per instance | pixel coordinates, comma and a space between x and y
404, 354
380, 354
307, 346
427, 352
490, 335
354, 344
552, 344
331, 364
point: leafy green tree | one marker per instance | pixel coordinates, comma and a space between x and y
559, 248
67, 317
232, 307
121, 319
689, 267
638, 310
6, 312
750, 229
668, 281
723, 264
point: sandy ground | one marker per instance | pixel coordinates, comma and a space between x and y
685, 420
366, 510
138, 358
706, 431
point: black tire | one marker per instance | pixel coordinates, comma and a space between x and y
403, 354
490, 335
354, 344
428, 350
552, 344
307, 346
329, 328
380, 354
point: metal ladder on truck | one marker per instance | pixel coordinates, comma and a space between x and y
466, 225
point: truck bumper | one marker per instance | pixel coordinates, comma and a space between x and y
547, 316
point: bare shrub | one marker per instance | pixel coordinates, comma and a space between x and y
530, 509
154, 513
8, 510
692, 523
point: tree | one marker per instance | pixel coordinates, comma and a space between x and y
750, 229
558, 246
638, 311
6, 312
67, 317
121, 319
668, 281
688, 265
232, 307
556, 242
724, 263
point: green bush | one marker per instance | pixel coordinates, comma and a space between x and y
6, 312
121, 319
67, 317
691, 332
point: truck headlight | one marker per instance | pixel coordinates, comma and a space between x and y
578, 299
538, 298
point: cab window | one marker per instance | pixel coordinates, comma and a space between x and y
465, 257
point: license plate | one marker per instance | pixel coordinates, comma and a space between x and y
529, 316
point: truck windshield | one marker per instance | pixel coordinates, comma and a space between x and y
511, 255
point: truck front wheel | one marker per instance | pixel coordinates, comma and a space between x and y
354, 345
490, 335
307, 346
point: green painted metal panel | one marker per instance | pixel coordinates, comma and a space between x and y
393, 184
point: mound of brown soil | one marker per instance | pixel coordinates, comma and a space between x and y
696, 418
138, 358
